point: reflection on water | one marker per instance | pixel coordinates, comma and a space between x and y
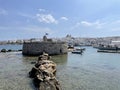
90, 71
60, 59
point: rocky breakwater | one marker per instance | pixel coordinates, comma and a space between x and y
44, 74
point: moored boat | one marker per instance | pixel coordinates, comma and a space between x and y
77, 51
108, 48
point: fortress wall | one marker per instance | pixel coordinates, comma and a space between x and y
36, 48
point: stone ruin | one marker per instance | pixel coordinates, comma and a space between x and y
44, 74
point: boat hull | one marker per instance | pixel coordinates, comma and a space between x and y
108, 48
77, 52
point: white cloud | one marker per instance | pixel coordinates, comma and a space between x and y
42, 10
64, 18
46, 18
3, 12
96, 24
86, 23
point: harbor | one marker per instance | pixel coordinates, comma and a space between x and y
89, 71
59, 45
84, 64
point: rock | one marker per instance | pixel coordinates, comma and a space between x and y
20, 50
44, 74
3, 50
9, 50
33, 62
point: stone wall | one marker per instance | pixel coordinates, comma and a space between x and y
37, 48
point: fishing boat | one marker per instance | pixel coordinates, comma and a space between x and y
77, 51
108, 47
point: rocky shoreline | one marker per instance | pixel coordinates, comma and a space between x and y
9, 50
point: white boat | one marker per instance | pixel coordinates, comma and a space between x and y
77, 50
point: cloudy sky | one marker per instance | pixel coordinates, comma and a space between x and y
21, 19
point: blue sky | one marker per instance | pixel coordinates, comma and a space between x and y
24, 19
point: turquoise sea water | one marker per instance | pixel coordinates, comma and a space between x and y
90, 71
10, 46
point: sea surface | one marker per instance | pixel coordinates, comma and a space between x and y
10, 46
89, 71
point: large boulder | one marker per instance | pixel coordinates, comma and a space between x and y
44, 74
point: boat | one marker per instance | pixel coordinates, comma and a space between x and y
108, 47
77, 51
